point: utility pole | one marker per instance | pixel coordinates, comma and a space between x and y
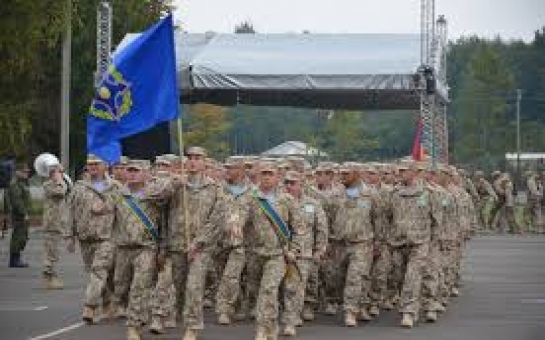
519, 96
65, 87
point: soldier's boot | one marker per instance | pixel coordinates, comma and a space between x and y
440, 308
363, 315
350, 319
55, 283
272, 333
156, 326
407, 320
15, 261
388, 305
260, 334
170, 322
134, 333
224, 319
88, 314
109, 311
331, 309
308, 314
190, 334
374, 311
454, 292
431, 316
120, 312
208, 303
290, 330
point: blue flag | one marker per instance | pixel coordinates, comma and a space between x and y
138, 91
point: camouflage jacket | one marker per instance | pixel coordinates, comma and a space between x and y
129, 229
355, 217
327, 198
504, 189
447, 223
535, 187
383, 220
485, 189
413, 214
196, 217
18, 199
467, 217
54, 214
234, 200
312, 232
91, 212
259, 232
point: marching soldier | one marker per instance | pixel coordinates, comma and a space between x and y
91, 212
18, 204
505, 207
533, 207
55, 191
312, 240
487, 196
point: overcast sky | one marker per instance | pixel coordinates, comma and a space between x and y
512, 19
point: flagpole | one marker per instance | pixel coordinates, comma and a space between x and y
184, 189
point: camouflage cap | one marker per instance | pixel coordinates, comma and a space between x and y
325, 166
479, 173
292, 176
141, 164
234, 161
349, 167
196, 150
93, 159
267, 166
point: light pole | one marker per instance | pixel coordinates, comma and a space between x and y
519, 96
65, 87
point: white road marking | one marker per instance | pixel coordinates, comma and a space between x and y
59, 331
540, 301
23, 309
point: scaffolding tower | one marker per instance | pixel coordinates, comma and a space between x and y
433, 88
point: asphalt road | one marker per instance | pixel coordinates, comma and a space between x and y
503, 298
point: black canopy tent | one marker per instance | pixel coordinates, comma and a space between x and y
329, 71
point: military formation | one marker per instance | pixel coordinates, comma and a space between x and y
269, 240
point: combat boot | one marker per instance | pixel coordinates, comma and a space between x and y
374, 311
308, 314
454, 292
330, 309
224, 319
289, 330
190, 334
272, 333
388, 305
431, 316
156, 326
133, 333
55, 283
350, 319
109, 311
88, 314
363, 315
407, 320
170, 322
260, 334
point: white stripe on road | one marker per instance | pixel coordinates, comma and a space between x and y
57, 332
23, 309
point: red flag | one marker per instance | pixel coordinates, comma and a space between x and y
418, 154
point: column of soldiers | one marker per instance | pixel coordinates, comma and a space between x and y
274, 241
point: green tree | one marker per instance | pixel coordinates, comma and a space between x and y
207, 126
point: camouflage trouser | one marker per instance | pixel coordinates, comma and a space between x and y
448, 271
481, 210
180, 269
98, 260
163, 302
379, 275
356, 271
432, 278
230, 284
294, 292
140, 262
51, 252
534, 219
409, 262
314, 286
268, 273
331, 272
501, 213
194, 291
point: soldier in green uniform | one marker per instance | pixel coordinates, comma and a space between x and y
18, 203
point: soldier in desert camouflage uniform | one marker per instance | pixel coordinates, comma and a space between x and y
534, 218
90, 220
487, 196
55, 192
312, 239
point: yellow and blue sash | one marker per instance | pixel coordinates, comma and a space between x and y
280, 228
137, 211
